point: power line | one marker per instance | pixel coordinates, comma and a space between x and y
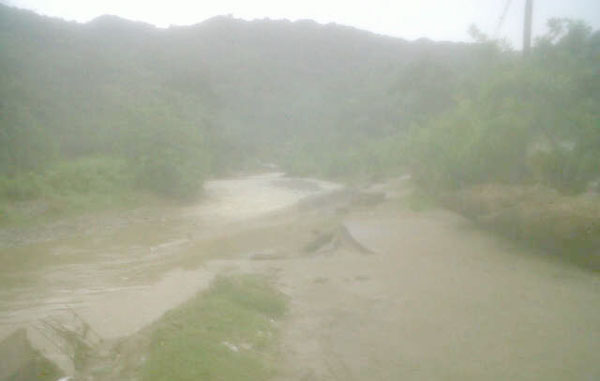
502, 17
527, 27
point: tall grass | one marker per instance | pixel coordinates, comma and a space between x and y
92, 183
536, 215
227, 333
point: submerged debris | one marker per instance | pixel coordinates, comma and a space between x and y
329, 241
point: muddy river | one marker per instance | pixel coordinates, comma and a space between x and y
125, 271
383, 292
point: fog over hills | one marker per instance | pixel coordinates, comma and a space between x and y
272, 199
264, 86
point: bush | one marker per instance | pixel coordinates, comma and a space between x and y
84, 184
465, 147
537, 215
173, 173
565, 170
88, 175
533, 120
20, 188
225, 333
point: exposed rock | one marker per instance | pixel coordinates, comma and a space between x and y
20, 361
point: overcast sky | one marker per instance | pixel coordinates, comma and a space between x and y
410, 19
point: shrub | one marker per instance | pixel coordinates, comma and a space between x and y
88, 175
173, 173
225, 333
537, 215
21, 187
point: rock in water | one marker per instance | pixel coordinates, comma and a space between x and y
19, 361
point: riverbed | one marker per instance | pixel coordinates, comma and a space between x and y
377, 291
122, 277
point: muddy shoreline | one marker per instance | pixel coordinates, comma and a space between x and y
121, 271
377, 291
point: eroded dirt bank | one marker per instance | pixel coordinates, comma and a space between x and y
379, 292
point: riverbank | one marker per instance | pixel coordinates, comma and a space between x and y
98, 264
389, 292
379, 285
229, 332
538, 217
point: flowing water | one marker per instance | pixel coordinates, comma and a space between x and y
433, 297
124, 275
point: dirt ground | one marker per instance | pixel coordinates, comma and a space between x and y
391, 294
437, 300
380, 292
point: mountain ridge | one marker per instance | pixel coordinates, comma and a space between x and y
265, 84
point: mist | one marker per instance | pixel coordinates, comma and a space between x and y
299, 191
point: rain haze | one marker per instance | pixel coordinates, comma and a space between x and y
436, 20
299, 190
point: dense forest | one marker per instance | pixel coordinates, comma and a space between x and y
174, 104
105, 108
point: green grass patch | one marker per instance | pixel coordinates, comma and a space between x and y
227, 333
419, 201
85, 185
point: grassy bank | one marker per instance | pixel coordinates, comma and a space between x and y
86, 185
227, 333
65, 188
536, 215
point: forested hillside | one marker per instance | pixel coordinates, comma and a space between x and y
71, 91
519, 151
239, 90
112, 106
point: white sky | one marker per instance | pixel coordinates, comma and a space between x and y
410, 19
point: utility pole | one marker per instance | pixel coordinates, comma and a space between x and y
527, 27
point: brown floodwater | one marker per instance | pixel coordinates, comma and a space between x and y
432, 297
122, 277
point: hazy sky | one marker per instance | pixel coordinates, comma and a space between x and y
410, 19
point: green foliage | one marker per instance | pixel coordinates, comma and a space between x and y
418, 201
196, 341
114, 87
18, 188
470, 146
92, 183
84, 176
71, 92
88, 175
564, 169
530, 121
253, 293
528, 131
171, 161
535, 215
428, 88
318, 100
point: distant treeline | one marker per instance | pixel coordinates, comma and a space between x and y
500, 118
169, 107
113, 106
526, 120
81, 116
519, 149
